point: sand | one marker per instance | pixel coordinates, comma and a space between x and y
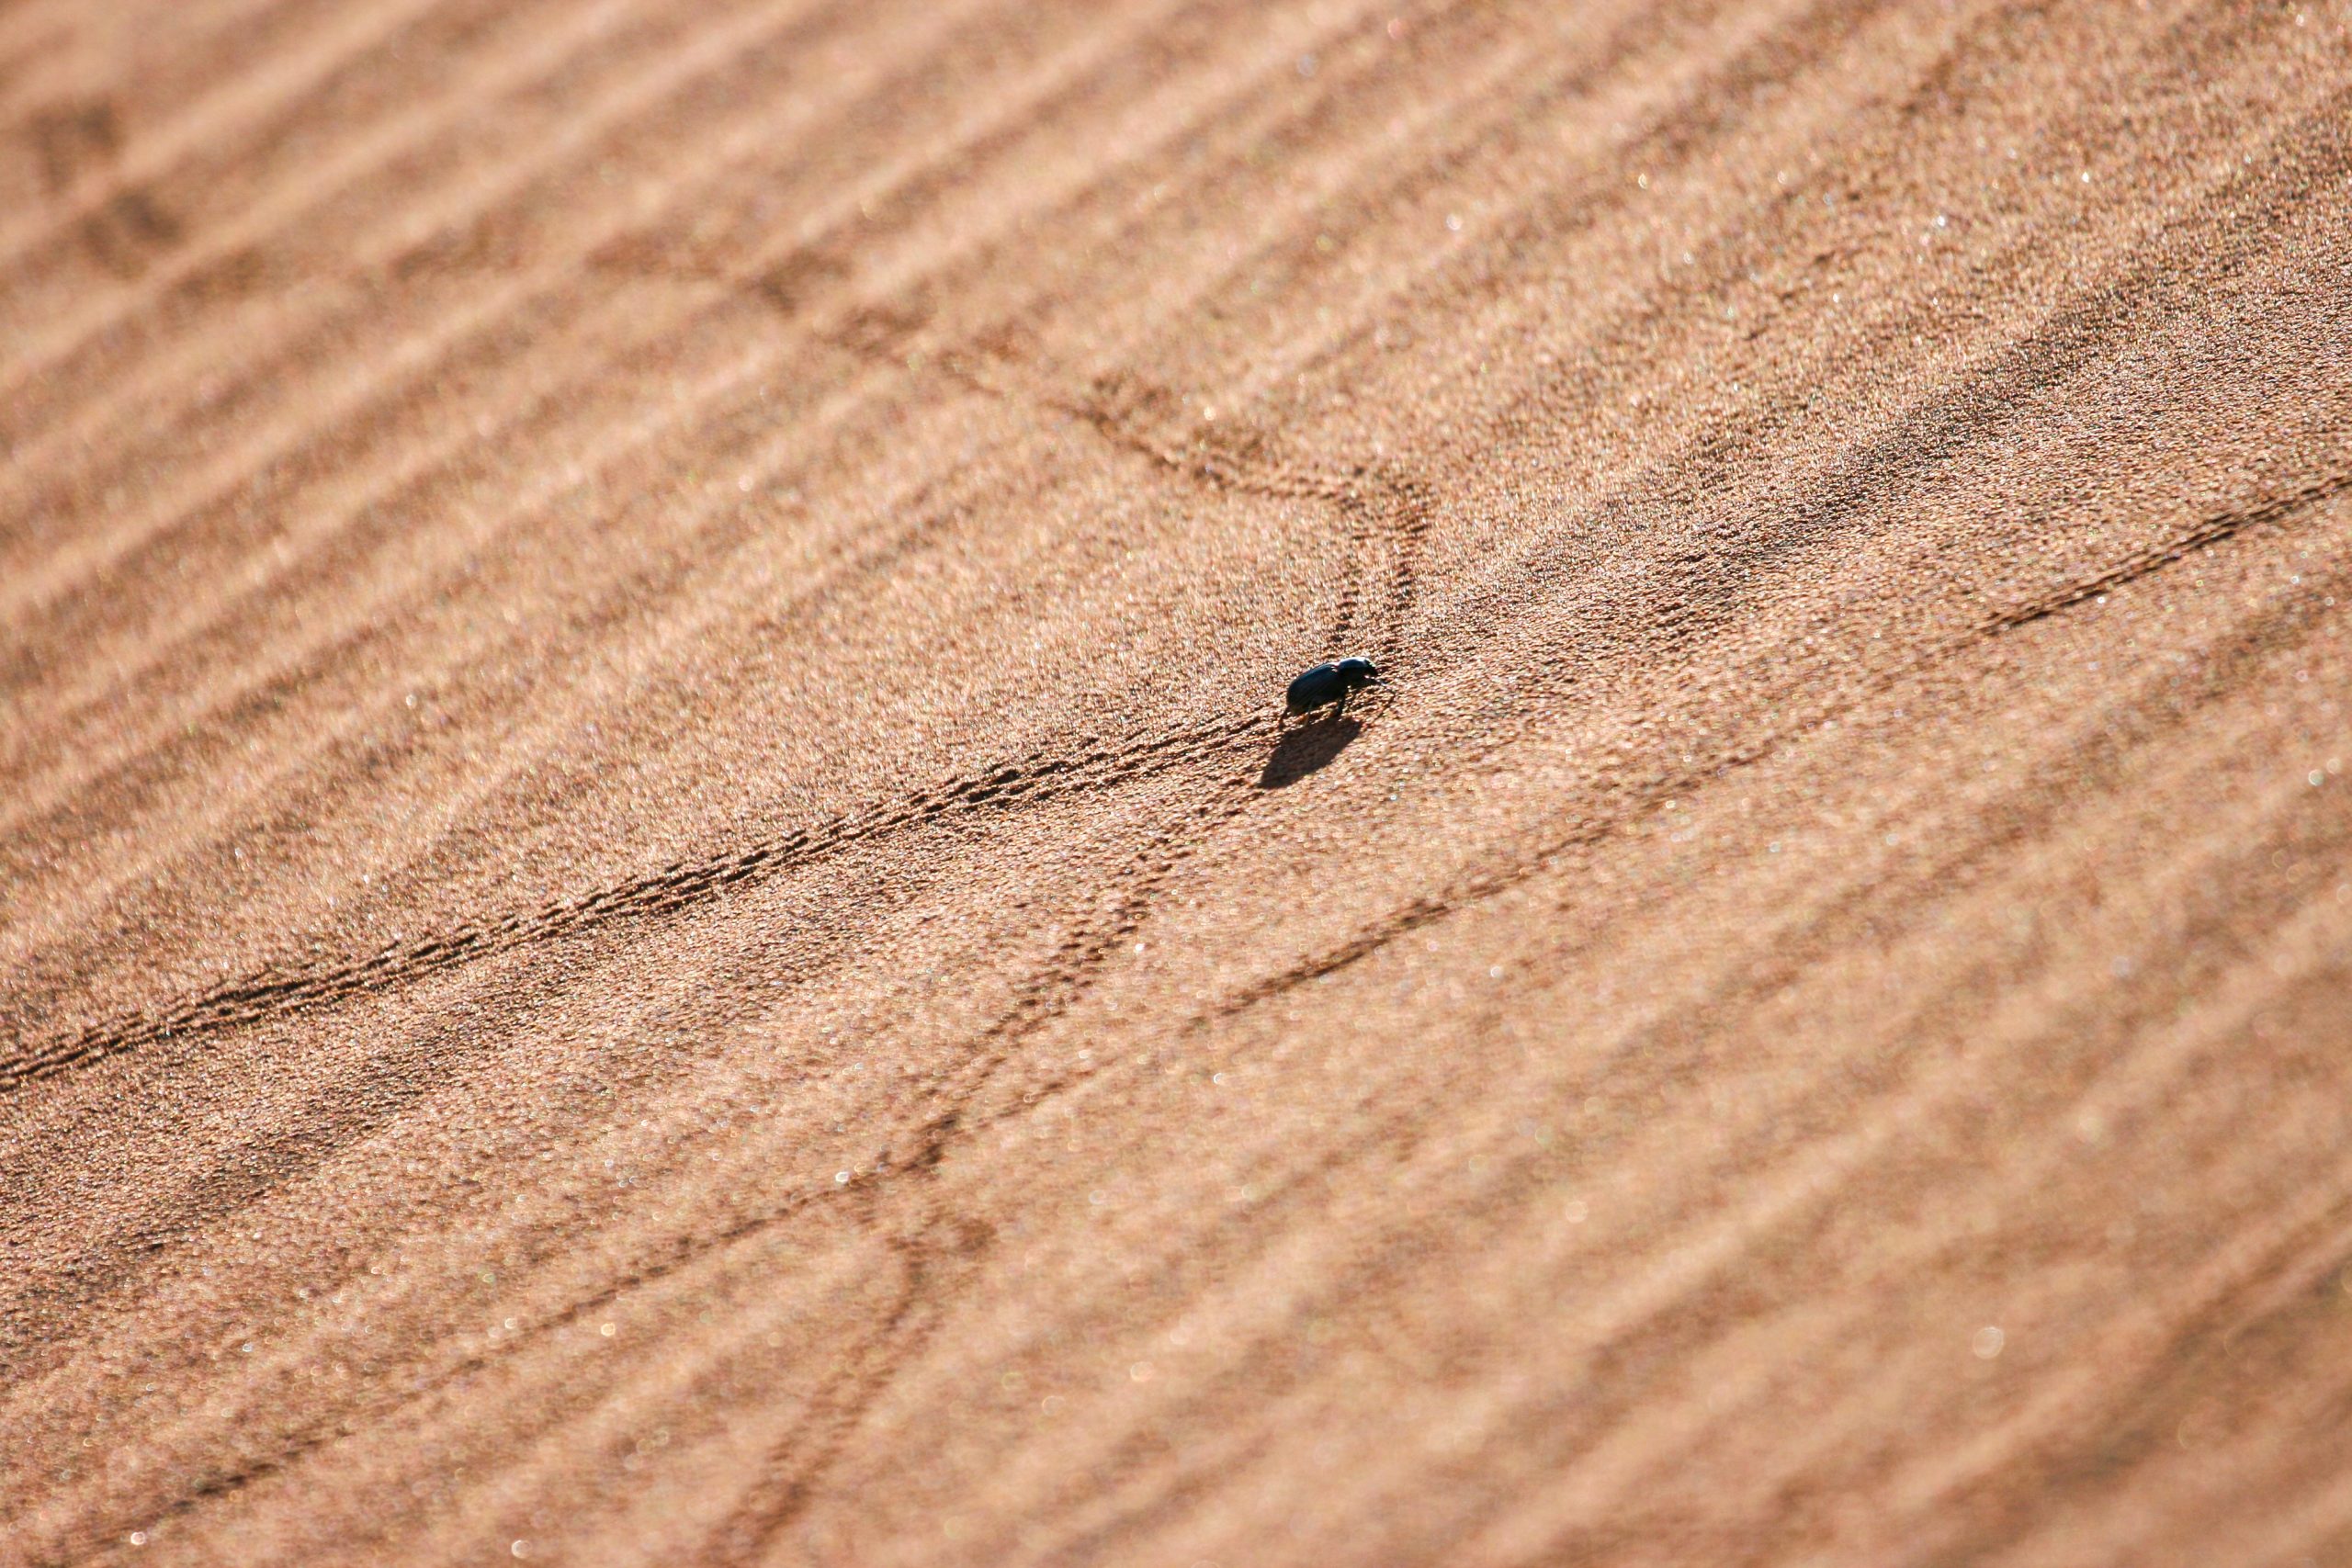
654, 912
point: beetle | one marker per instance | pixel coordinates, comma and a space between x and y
1330, 684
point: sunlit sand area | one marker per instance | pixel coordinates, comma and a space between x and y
664, 898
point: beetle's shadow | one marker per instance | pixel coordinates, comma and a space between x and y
1306, 748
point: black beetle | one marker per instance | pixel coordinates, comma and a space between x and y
1330, 684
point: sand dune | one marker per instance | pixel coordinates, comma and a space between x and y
655, 912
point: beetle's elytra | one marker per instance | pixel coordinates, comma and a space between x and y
1328, 684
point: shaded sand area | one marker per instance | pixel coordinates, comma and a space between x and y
653, 913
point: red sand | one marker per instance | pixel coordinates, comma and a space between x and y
653, 914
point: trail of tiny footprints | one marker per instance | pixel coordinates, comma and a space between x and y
1639, 800
1381, 507
272, 993
938, 1247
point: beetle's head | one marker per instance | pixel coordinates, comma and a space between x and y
1358, 673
